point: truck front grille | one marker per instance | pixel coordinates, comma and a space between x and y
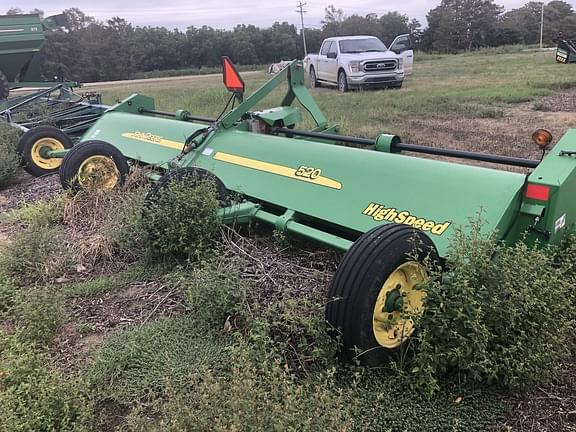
380, 66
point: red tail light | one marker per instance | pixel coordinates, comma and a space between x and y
537, 192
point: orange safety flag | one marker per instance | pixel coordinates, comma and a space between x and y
232, 79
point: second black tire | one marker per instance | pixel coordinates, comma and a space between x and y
342, 82
313, 78
109, 166
189, 174
361, 278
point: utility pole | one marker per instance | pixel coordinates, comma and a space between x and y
301, 11
542, 26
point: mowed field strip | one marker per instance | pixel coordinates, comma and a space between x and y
184, 79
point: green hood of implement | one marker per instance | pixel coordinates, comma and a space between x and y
351, 188
359, 189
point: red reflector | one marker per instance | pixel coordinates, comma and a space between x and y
538, 192
232, 79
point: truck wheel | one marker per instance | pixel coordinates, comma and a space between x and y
192, 175
342, 82
313, 79
396, 86
4, 87
377, 290
35, 142
93, 165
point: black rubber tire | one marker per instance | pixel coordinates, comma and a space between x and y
358, 280
80, 152
26, 144
396, 86
193, 174
4, 87
342, 82
313, 78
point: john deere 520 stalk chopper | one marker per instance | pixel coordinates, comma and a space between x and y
376, 204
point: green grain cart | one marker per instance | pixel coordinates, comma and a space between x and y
21, 37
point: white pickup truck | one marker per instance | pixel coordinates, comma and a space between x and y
360, 61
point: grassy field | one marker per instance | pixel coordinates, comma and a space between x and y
489, 92
96, 333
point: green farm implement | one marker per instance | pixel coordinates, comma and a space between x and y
21, 37
389, 211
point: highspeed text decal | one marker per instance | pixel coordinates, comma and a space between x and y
380, 213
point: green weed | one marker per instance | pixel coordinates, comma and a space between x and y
492, 320
125, 227
9, 160
36, 255
40, 214
292, 332
38, 315
9, 292
136, 272
213, 290
251, 398
34, 398
139, 364
182, 221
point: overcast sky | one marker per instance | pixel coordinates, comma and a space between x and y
227, 13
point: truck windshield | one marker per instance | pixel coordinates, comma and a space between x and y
351, 46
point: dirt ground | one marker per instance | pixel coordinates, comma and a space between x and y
509, 135
28, 190
547, 409
91, 320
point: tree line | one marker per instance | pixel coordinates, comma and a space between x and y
90, 50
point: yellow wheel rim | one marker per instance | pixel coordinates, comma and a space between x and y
98, 172
398, 301
37, 153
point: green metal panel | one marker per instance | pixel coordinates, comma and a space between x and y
352, 189
355, 187
558, 213
145, 138
21, 37
286, 115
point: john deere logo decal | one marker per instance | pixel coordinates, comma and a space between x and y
380, 213
153, 139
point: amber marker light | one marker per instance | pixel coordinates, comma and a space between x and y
542, 138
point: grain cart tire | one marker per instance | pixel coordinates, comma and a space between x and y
194, 175
93, 165
4, 87
37, 140
342, 82
377, 280
313, 78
